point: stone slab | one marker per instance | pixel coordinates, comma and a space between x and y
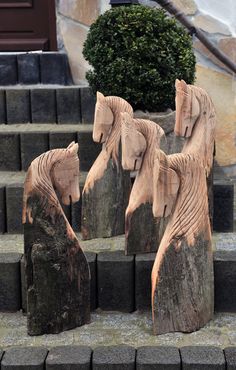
18, 106
202, 358
43, 105
61, 139
32, 145
69, 358
88, 102
23, 285
54, 69
76, 209
230, 358
8, 70
28, 68
68, 106
2, 107
2, 210
10, 297
9, 152
223, 220
143, 269
27, 358
88, 150
14, 197
114, 358
115, 273
92, 261
158, 358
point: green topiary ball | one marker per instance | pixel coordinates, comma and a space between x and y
136, 53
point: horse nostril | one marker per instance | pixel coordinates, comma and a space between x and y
186, 130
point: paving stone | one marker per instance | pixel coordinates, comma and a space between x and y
69, 358
14, 197
8, 70
61, 139
9, 151
88, 150
143, 269
32, 145
115, 273
54, 69
2, 107
43, 105
10, 297
23, 285
202, 358
18, 106
88, 102
158, 358
68, 106
2, 209
225, 281
28, 68
92, 261
230, 358
114, 358
27, 358
223, 220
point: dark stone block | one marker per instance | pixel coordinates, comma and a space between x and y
92, 261
9, 151
28, 358
76, 214
43, 105
61, 139
225, 281
8, 70
88, 102
68, 105
23, 285
10, 298
69, 358
28, 68
115, 281
2, 107
14, 197
230, 357
202, 358
158, 358
54, 69
143, 269
114, 358
2, 209
223, 220
32, 145
18, 106
88, 150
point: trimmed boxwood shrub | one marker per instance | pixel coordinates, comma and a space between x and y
136, 53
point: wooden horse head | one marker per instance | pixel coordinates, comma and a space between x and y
103, 119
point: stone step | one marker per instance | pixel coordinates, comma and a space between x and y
122, 357
20, 144
108, 264
46, 103
34, 68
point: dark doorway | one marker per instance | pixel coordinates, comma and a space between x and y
27, 25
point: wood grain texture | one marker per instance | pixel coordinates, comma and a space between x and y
57, 272
182, 275
140, 140
107, 186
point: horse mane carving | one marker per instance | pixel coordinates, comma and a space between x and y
52, 251
107, 130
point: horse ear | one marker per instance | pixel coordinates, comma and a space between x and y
73, 147
177, 83
70, 145
100, 97
184, 85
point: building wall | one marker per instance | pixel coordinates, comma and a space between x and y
216, 18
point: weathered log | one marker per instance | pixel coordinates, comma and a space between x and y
57, 272
107, 187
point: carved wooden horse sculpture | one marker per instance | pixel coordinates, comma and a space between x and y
140, 139
57, 272
182, 275
107, 187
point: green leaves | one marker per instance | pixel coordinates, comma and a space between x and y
137, 52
